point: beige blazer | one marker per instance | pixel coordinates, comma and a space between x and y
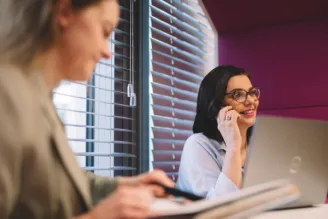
39, 175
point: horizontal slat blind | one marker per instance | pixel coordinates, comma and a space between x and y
98, 117
183, 49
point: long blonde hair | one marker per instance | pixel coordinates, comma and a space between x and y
26, 28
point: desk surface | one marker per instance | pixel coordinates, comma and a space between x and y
318, 212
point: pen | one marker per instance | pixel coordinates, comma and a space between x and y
180, 193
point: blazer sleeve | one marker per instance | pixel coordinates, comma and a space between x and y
11, 155
100, 186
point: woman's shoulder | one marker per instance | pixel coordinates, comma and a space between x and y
197, 137
16, 87
17, 103
11, 72
13, 84
199, 147
203, 141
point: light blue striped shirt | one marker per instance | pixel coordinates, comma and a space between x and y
200, 168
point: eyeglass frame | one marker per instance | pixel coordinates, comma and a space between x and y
247, 93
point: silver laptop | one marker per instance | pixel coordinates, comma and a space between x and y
296, 149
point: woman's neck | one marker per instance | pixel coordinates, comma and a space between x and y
49, 65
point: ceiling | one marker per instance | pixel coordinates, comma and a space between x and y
236, 15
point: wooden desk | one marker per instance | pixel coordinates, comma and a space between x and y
318, 212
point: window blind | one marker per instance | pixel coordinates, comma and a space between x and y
99, 116
183, 47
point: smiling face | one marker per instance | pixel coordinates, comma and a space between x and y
84, 38
236, 89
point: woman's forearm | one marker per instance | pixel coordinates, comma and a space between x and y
232, 166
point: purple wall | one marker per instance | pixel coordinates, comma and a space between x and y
288, 62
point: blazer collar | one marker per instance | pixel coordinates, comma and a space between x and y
61, 142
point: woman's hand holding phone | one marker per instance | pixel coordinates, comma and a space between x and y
228, 126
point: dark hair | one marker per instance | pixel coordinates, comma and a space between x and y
211, 98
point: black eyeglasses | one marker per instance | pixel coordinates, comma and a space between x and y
241, 95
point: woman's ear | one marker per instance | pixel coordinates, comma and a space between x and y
63, 13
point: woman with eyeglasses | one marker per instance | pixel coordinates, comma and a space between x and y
214, 156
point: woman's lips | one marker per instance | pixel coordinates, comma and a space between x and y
248, 113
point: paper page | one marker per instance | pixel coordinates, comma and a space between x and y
276, 196
197, 206
164, 205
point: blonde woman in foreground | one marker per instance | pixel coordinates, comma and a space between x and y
43, 42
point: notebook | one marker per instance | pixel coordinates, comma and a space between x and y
241, 204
